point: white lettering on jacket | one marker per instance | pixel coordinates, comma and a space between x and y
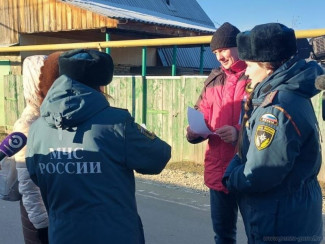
69, 153
56, 166
70, 168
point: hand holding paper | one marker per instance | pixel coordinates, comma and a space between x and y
197, 123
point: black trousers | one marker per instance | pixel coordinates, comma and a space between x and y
29, 231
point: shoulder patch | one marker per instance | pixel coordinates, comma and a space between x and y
269, 98
146, 133
263, 136
269, 118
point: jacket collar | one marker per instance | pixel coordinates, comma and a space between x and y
236, 68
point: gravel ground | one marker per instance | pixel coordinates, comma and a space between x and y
178, 178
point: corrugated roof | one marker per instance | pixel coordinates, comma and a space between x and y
188, 57
186, 14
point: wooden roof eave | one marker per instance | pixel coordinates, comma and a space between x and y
158, 30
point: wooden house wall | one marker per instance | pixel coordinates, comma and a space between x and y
34, 16
9, 22
52, 16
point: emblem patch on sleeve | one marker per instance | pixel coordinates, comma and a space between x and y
145, 132
263, 136
269, 118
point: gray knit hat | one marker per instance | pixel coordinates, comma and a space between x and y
267, 43
224, 37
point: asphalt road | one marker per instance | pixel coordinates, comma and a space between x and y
170, 215
176, 215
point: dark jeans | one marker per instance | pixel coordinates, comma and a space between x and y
224, 212
29, 231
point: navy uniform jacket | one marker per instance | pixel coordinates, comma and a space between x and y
277, 174
82, 153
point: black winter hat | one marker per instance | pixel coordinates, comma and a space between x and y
267, 43
224, 37
90, 67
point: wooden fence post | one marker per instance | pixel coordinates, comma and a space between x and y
14, 101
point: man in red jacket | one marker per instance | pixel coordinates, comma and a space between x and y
220, 102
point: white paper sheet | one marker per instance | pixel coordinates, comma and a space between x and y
197, 124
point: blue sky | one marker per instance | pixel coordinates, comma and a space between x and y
296, 14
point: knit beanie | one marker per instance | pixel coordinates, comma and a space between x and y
267, 43
91, 67
224, 37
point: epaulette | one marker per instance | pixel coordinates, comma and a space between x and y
268, 99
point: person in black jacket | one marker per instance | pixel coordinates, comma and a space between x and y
82, 154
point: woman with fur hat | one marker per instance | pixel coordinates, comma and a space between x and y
82, 153
275, 171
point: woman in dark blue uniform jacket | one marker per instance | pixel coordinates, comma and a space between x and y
275, 171
82, 153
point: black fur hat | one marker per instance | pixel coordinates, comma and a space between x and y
224, 37
90, 67
267, 43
